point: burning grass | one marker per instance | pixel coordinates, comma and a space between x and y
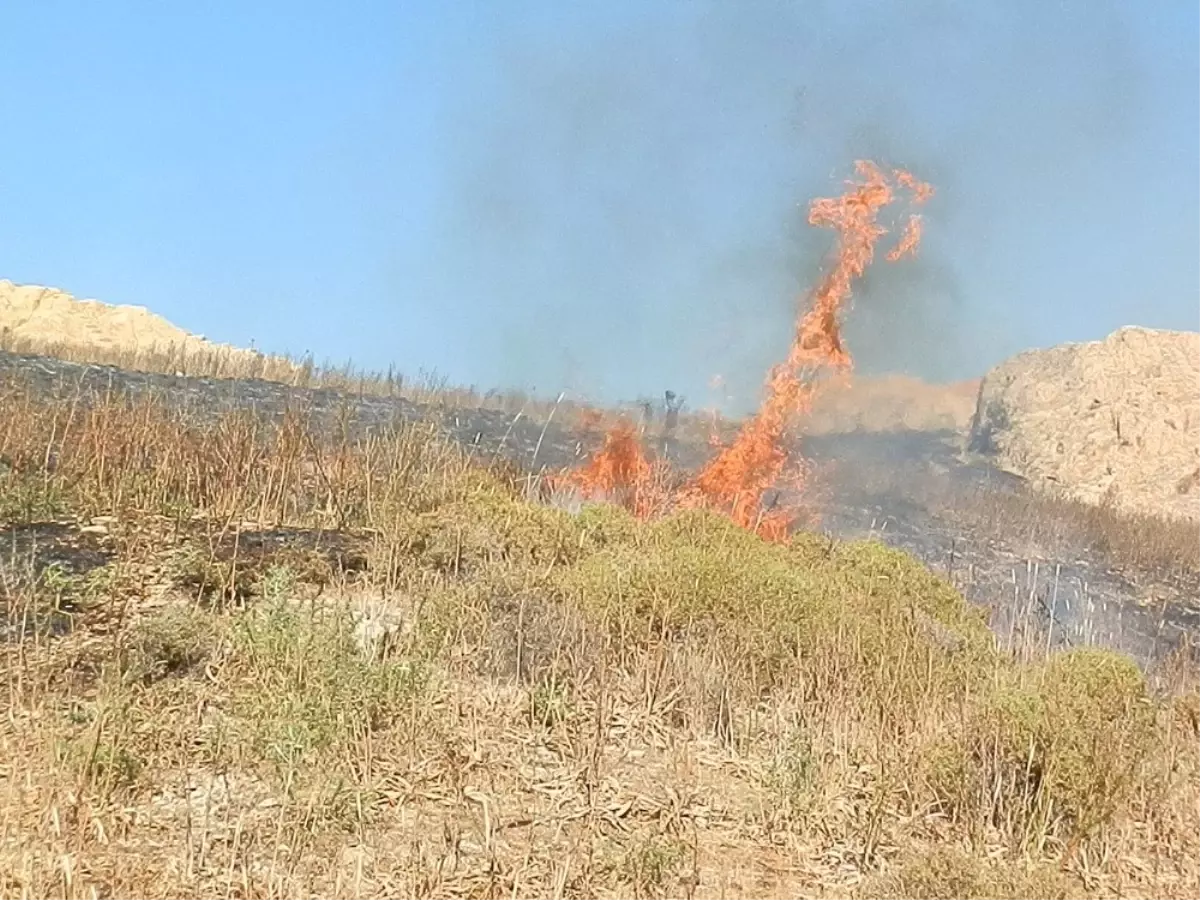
436, 687
739, 478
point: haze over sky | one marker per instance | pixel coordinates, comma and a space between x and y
605, 197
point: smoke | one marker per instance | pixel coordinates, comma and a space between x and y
627, 196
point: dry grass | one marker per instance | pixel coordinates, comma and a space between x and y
257, 661
1041, 523
1138, 543
869, 405
217, 361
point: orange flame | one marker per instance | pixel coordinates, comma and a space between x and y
738, 479
620, 472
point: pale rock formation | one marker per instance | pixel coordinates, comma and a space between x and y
46, 321
1113, 421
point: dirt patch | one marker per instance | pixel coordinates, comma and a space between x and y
234, 566
28, 550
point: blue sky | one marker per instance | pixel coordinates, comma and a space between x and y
604, 197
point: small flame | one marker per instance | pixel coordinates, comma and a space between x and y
739, 478
620, 472
908, 241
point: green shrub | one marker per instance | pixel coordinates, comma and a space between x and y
1059, 743
306, 687
488, 528
172, 642
604, 524
30, 498
858, 617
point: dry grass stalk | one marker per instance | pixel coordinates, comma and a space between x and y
247, 658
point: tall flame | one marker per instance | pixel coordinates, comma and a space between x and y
737, 480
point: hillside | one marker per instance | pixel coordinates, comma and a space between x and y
271, 639
250, 654
46, 321
893, 403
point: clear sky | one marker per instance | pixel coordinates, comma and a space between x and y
604, 197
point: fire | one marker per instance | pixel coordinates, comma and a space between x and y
739, 478
621, 472
908, 242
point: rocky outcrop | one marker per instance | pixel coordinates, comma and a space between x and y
1113, 421
40, 314
47, 321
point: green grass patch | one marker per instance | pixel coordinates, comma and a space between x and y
304, 689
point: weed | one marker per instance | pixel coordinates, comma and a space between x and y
306, 687
952, 873
793, 772
25, 499
650, 865
549, 704
1073, 736
172, 643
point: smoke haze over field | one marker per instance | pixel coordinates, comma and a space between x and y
610, 198
638, 191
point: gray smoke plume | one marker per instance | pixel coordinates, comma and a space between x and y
629, 206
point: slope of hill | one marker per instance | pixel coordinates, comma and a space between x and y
46, 321
892, 403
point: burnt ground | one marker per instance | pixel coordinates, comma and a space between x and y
1039, 574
